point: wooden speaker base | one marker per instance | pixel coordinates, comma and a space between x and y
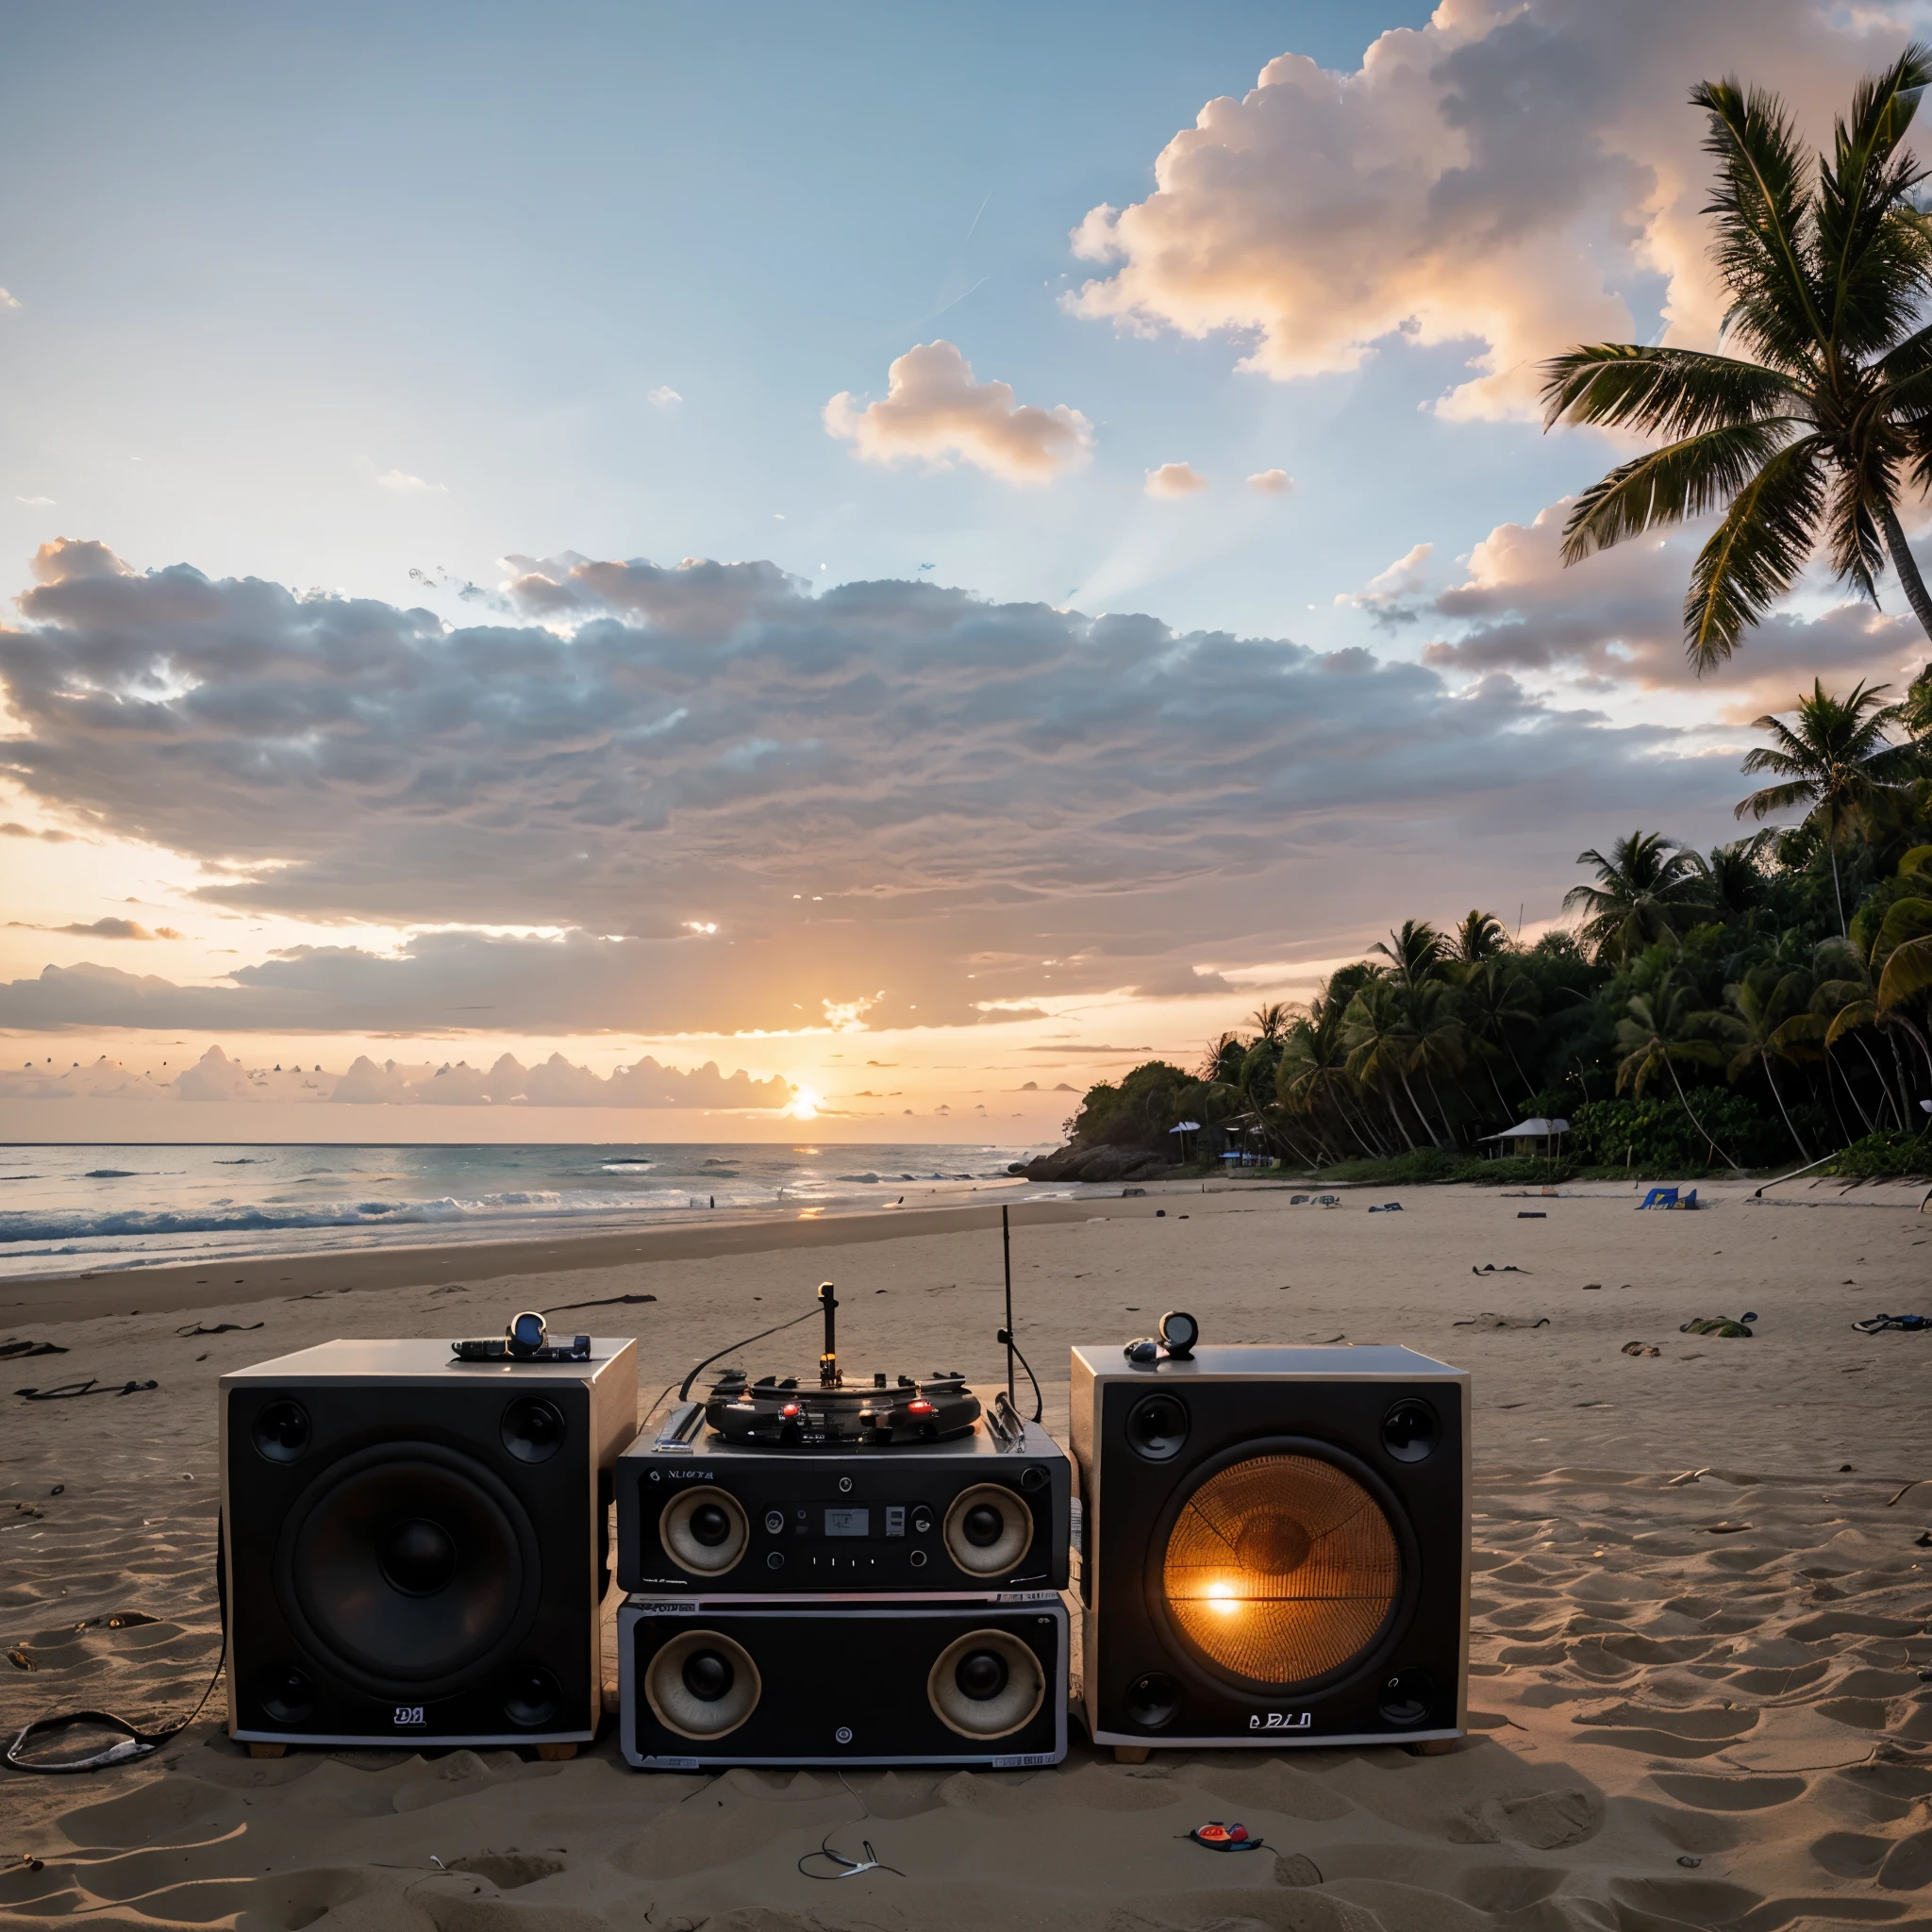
1130, 1753
268, 1750
555, 1753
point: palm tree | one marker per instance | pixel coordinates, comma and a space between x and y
1648, 889
1270, 1022
1817, 436
1736, 873
1498, 1001
1659, 1032
1222, 1062
1381, 1041
1416, 952
1759, 1004
1479, 935
1837, 762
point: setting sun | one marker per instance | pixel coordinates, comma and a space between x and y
806, 1103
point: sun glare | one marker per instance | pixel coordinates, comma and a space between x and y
805, 1105
1221, 1597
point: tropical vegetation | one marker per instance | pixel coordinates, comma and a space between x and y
1815, 435
1765, 1003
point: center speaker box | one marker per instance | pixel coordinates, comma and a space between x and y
1276, 1545
701, 1515
867, 1680
417, 1547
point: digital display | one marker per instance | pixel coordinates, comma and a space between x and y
848, 1522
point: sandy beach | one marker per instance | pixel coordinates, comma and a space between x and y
1702, 1624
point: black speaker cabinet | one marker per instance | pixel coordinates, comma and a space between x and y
863, 1680
417, 1547
1274, 1546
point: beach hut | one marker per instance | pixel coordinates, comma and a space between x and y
1184, 1129
1521, 1140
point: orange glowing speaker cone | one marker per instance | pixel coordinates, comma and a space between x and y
1280, 1570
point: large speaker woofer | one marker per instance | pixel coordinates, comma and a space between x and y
702, 1685
987, 1529
1281, 1569
705, 1531
985, 1684
410, 1569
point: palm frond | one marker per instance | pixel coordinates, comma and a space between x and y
1873, 250
1661, 391
1853, 534
1755, 554
1685, 479
1761, 210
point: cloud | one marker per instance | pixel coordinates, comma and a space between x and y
554, 1082
1617, 620
664, 397
98, 929
1174, 479
403, 484
8, 301
36, 502
935, 413
12, 828
1509, 176
866, 790
1271, 483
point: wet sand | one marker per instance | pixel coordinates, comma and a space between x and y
1699, 1639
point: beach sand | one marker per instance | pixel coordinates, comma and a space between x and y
1703, 1673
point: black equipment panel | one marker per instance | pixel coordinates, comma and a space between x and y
856, 1682
839, 1517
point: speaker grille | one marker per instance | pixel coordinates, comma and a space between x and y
409, 1568
1280, 1570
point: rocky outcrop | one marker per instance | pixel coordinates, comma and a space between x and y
1096, 1164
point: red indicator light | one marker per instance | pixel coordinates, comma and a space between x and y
790, 1408
921, 1408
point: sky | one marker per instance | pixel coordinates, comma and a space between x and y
702, 568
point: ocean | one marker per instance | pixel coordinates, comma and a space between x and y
67, 1208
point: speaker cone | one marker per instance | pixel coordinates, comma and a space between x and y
702, 1685
532, 1429
985, 1684
533, 1697
705, 1531
408, 1569
1280, 1570
987, 1529
280, 1432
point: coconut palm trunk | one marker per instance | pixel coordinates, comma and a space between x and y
1695, 1121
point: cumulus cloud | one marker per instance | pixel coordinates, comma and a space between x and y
1508, 176
663, 397
403, 484
554, 1082
1271, 482
7, 300
1174, 479
103, 929
1617, 619
859, 788
933, 412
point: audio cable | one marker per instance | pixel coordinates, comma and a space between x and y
135, 1743
684, 1387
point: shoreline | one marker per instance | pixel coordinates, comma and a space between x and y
175, 1287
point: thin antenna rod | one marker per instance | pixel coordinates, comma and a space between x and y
829, 1358
1006, 1255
